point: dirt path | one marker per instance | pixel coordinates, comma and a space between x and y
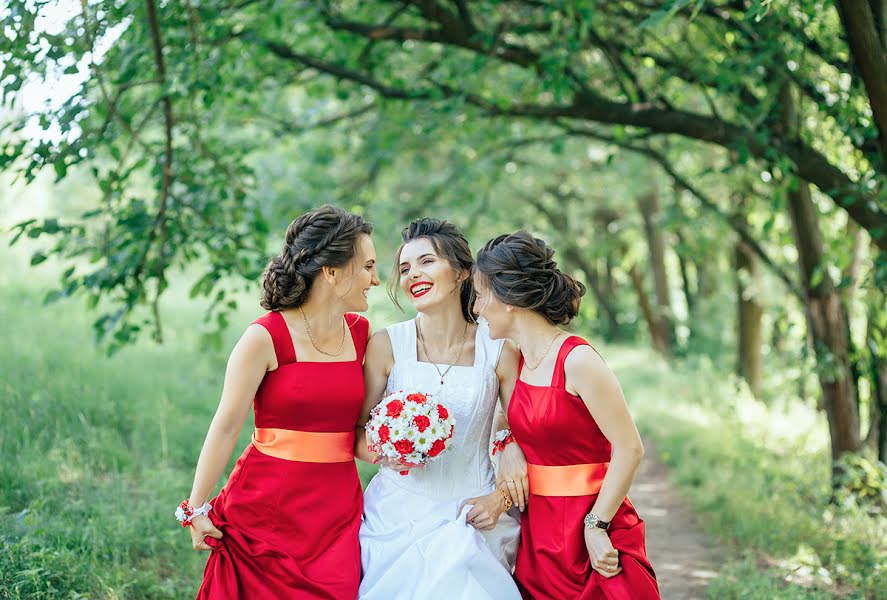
684, 558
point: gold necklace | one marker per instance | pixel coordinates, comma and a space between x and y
547, 350
425, 350
314, 343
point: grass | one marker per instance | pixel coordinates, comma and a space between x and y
100, 449
758, 475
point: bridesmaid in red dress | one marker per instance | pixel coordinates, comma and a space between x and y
580, 536
286, 523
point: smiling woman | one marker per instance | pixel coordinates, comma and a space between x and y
286, 523
445, 526
434, 249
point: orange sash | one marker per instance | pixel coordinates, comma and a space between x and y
567, 480
305, 446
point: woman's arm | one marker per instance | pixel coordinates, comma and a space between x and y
251, 358
588, 376
512, 471
377, 365
506, 372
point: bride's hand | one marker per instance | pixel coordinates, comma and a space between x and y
393, 464
513, 472
486, 510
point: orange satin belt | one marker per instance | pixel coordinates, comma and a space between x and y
305, 446
567, 480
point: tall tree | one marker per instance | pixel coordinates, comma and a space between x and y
826, 318
631, 70
648, 205
749, 309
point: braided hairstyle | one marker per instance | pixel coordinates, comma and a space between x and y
325, 236
450, 244
520, 271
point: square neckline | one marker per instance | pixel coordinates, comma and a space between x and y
292, 343
557, 363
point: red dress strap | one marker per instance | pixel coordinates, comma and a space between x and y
558, 378
360, 333
275, 324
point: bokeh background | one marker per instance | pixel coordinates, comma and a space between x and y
712, 170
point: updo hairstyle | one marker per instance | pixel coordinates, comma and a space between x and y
326, 236
520, 271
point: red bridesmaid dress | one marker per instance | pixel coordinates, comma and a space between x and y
567, 456
290, 512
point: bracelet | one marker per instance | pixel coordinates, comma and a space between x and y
185, 513
507, 497
502, 439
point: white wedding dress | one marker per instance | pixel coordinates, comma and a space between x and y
414, 539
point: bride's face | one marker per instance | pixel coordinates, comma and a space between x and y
426, 278
487, 305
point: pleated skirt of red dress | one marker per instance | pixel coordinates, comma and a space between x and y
552, 561
290, 530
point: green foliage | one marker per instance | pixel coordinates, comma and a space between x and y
91, 432
402, 108
104, 447
102, 451
554, 117
758, 477
861, 482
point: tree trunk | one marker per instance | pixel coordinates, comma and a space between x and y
609, 279
611, 319
861, 26
827, 321
749, 317
707, 276
749, 311
649, 207
876, 343
879, 12
848, 293
574, 255
683, 264
656, 336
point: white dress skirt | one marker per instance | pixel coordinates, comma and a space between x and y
414, 539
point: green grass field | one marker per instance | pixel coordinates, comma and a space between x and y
98, 450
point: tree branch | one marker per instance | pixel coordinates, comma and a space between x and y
166, 182
703, 199
297, 129
453, 36
870, 57
589, 106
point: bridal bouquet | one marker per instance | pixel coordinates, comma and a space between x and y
410, 427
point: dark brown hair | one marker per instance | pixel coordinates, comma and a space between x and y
326, 236
450, 244
520, 271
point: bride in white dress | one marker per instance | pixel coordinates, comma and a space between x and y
442, 531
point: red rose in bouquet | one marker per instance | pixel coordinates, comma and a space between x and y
410, 428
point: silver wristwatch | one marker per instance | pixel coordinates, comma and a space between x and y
592, 520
